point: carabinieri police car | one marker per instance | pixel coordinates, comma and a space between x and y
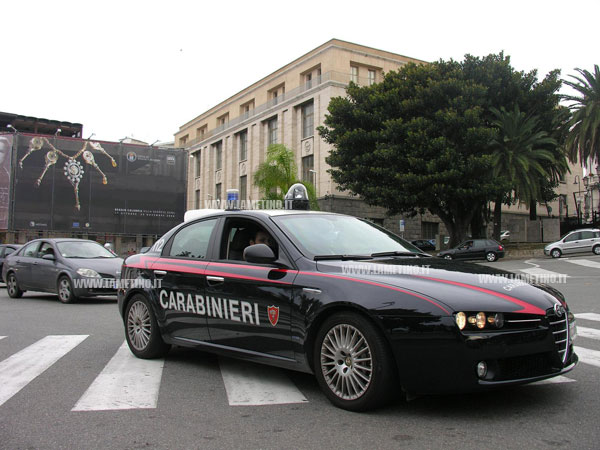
365, 311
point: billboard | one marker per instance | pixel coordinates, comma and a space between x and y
66, 184
6, 141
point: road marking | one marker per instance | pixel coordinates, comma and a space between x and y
588, 316
554, 380
253, 385
2, 337
590, 333
543, 272
20, 369
126, 382
587, 356
584, 263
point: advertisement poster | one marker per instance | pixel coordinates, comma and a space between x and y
6, 141
67, 184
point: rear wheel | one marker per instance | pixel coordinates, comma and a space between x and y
65, 290
491, 256
12, 286
596, 249
353, 363
555, 253
141, 330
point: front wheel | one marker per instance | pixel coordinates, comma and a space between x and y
491, 256
12, 286
596, 250
555, 253
353, 364
65, 290
141, 330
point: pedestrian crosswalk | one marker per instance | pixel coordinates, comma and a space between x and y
129, 383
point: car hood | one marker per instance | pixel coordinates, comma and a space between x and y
460, 286
104, 266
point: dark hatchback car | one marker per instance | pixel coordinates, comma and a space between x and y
487, 249
361, 308
71, 268
424, 244
5, 250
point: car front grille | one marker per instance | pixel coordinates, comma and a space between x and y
559, 326
527, 366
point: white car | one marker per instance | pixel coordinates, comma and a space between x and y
505, 235
577, 241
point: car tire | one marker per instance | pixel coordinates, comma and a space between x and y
596, 249
555, 253
448, 257
65, 290
12, 286
347, 384
491, 256
141, 330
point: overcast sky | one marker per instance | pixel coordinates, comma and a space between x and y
144, 68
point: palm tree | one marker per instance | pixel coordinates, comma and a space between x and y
583, 140
279, 171
522, 156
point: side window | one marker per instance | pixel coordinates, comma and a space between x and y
45, 249
31, 250
239, 234
192, 241
597, 234
587, 235
573, 237
2, 250
480, 244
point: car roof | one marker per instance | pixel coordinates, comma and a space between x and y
57, 240
194, 214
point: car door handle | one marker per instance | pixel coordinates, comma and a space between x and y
160, 273
214, 280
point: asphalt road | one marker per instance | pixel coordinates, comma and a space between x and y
193, 408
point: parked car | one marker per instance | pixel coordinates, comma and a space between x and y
488, 249
424, 244
361, 308
578, 241
504, 235
5, 250
71, 268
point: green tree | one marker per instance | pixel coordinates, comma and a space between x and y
521, 159
415, 141
583, 140
278, 172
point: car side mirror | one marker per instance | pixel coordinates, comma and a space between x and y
259, 254
49, 257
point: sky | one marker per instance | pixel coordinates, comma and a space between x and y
144, 68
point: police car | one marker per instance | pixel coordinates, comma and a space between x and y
365, 311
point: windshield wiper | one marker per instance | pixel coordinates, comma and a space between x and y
342, 257
399, 253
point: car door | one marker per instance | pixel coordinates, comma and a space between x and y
463, 251
586, 241
249, 305
24, 263
180, 275
571, 242
45, 271
479, 249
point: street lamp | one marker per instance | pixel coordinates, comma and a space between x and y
314, 179
578, 198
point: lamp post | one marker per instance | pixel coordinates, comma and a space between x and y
578, 198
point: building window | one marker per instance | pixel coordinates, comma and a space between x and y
276, 94
245, 108
354, 74
308, 126
222, 120
243, 187
218, 192
198, 160
272, 131
243, 145
197, 199
371, 77
218, 155
183, 140
308, 164
429, 230
308, 80
200, 132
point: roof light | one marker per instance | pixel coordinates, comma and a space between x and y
297, 197
233, 196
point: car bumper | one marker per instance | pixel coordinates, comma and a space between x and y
91, 287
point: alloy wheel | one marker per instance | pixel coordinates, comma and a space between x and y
139, 326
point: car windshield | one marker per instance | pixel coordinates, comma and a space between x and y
318, 235
73, 249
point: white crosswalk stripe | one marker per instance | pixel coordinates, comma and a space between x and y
253, 385
126, 382
543, 273
2, 337
590, 333
588, 316
584, 263
20, 369
587, 356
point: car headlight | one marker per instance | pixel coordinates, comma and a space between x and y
88, 273
479, 320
